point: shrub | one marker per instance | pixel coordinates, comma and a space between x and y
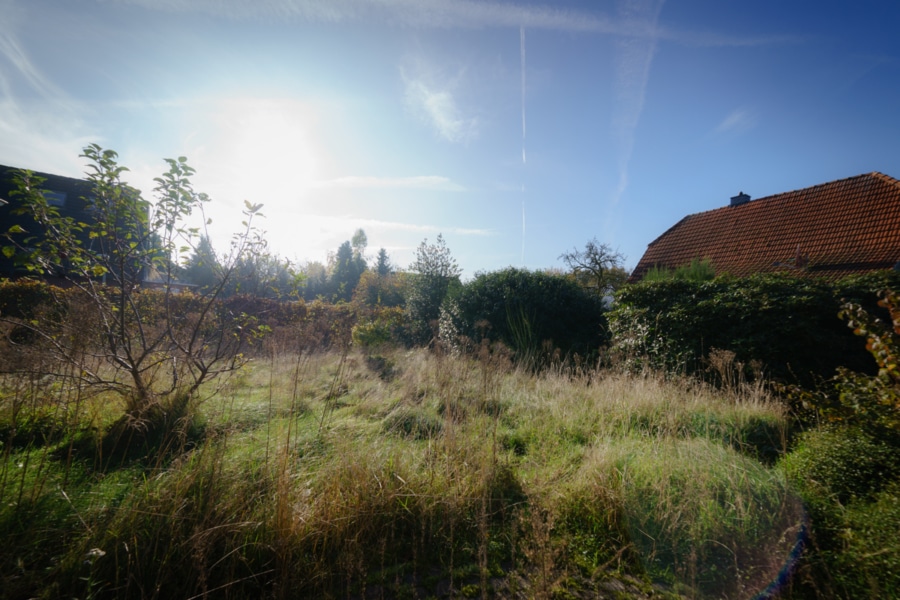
848, 472
19, 299
870, 559
154, 356
527, 311
696, 270
874, 401
382, 327
850, 483
374, 289
434, 274
833, 464
786, 322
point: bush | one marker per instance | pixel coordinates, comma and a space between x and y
869, 564
434, 274
834, 464
788, 323
380, 290
696, 270
19, 299
850, 483
527, 311
382, 327
848, 472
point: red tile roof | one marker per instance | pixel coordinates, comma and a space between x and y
830, 230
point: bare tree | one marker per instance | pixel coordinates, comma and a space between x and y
597, 267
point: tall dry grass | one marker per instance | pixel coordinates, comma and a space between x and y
410, 474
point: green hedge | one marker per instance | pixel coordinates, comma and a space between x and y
20, 299
528, 311
787, 323
298, 324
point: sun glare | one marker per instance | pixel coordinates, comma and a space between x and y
264, 151
269, 148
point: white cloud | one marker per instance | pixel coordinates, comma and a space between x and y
408, 13
421, 182
438, 107
13, 54
50, 121
378, 225
737, 121
54, 142
449, 14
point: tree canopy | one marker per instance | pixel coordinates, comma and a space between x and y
597, 267
434, 271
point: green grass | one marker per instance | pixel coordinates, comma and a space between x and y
317, 476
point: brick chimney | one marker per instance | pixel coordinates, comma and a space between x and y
741, 198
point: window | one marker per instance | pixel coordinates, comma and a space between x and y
55, 198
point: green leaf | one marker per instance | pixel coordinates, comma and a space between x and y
9, 251
17, 229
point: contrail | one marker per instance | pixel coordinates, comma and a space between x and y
523, 226
522, 48
522, 53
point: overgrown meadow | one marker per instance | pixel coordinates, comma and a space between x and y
406, 474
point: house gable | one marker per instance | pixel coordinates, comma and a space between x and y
829, 230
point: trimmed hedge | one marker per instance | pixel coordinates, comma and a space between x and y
296, 324
787, 323
21, 298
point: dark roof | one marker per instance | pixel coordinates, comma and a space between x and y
830, 230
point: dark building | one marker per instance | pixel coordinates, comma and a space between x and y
67, 194
70, 196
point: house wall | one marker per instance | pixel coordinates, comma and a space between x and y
66, 193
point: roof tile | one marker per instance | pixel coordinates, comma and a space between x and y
834, 229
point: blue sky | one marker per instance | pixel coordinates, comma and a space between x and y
519, 130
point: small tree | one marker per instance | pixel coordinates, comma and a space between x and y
596, 267
383, 266
155, 350
349, 264
434, 272
202, 268
360, 242
314, 277
265, 275
385, 291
